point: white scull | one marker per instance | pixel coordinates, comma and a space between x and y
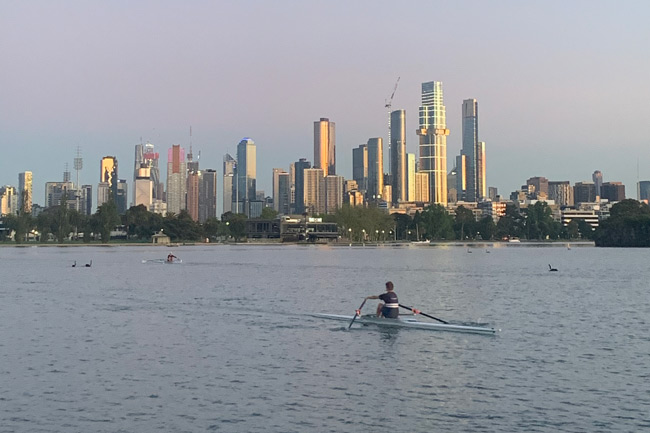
409, 322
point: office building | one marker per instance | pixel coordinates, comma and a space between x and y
584, 192
207, 195
422, 189
176, 179
8, 200
108, 180
299, 168
229, 165
143, 187
360, 167
325, 146
375, 170
481, 179
56, 191
433, 134
192, 197
121, 196
276, 187
539, 184
25, 191
470, 149
282, 192
245, 176
643, 190
597, 178
461, 177
398, 168
612, 191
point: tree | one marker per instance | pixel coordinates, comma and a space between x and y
627, 226
486, 228
105, 220
437, 223
572, 230
236, 224
182, 227
464, 223
268, 213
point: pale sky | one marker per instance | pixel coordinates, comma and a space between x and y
562, 86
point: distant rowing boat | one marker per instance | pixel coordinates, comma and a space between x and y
408, 322
163, 261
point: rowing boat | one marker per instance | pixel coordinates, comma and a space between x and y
408, 322
164, 261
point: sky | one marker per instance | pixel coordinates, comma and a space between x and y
562, 87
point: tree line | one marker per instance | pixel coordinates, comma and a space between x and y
357, 224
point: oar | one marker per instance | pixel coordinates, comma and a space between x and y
357, 313
424, 314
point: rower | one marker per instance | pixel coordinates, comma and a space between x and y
390, 307
171, 257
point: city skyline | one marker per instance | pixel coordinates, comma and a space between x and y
536, 70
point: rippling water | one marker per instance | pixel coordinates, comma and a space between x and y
225, 340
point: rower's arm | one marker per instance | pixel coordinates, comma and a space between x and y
372, 297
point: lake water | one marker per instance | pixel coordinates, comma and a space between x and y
225, 342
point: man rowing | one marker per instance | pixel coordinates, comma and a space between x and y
390, 307
171, 257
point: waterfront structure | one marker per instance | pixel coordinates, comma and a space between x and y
25, 191
299, 169
398, 168
207, 195
245, 176
360, 167
314, 191
612, 191
433, 134
561, 192
176, 179
229, 165
597, 178
643, 190
375, 169
325, 146
410, 177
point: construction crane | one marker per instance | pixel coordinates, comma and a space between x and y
388, 105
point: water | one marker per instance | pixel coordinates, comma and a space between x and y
224, 341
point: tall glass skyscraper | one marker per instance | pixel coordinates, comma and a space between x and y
470, 149
376, 169
433, 134
398, 155
325, 146
246, 175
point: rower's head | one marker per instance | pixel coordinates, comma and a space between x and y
389, 286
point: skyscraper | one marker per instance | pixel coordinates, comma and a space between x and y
143, 191
229, 165
314, 191
410, 169
207, 195
433, 134
284, 193
107, 186
299, 168
333, 193
470, 148
246, 175
25, 191
481, 182
360, 167
325, 146
643, 190
276, 187
192, 196
597, 177
375, 169
176, 179
398, 155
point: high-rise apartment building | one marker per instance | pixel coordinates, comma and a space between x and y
176, 179
276, 187
108, 180
333, 193
410, 177
561, 192
207, 195
56, 191
461, 177
422, 187
192, 196
325, 146
398, 168
8, 200
246, 176
314, 191
229, 165
299, 168
375, 169
433, 134
470, 148
284, 194
25, 191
